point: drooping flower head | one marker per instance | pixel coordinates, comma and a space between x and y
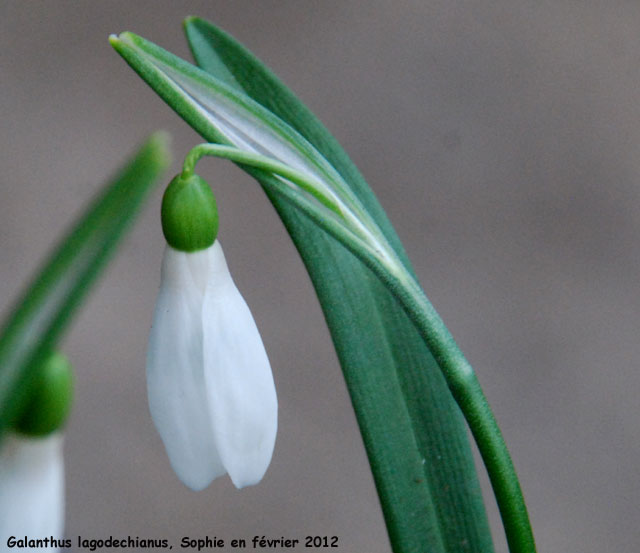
210, 386
31, 463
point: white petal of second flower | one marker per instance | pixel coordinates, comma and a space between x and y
31, 487
175, 370
242, 395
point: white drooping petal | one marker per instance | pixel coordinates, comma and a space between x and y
240, 388
175, 370
31, 487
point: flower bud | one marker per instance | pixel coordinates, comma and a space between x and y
50, 398
189, 214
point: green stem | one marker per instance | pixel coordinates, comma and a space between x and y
458, 373
230, 152
352, 216
465, 388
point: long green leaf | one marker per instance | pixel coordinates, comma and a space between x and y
47, 305
414, 435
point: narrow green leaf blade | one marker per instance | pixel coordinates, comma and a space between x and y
439, 429
47, 305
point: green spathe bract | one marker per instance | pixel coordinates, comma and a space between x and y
189, 214
51, 398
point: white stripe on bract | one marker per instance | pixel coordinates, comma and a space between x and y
31, 487
175, 370
240, 388
247, 131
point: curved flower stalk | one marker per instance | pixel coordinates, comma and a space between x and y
210, 386
31, 460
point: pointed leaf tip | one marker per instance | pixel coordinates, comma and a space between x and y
190, 19
159, 147
118, 41
115, 40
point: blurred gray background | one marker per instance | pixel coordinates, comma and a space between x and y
503, 140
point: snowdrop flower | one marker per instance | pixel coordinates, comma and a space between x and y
31, 487
31, 463
211, 391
